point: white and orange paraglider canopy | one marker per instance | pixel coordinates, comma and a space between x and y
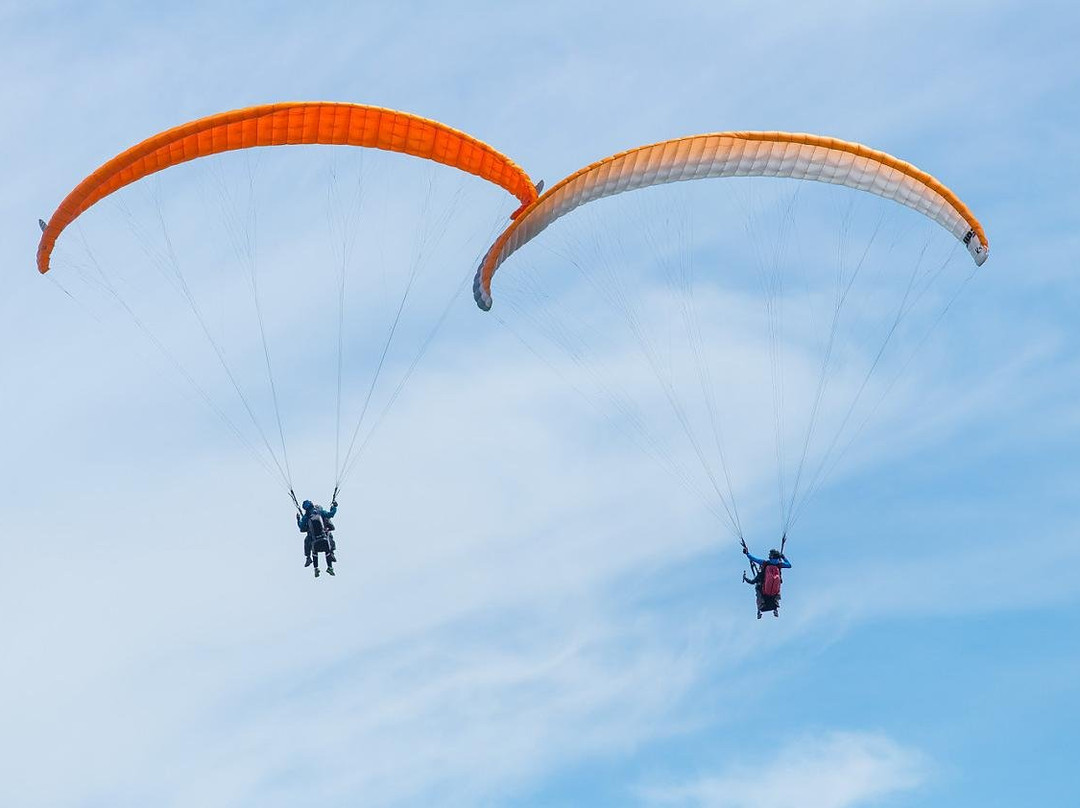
739, 154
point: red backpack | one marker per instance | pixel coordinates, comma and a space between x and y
771, 586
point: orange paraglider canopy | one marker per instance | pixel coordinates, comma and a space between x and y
294, 123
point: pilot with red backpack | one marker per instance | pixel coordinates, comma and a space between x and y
315, 522
767, 579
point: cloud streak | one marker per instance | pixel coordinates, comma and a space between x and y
834, 770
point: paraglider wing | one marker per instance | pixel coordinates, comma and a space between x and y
739, 154
289, 124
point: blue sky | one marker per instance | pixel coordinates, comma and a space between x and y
524, 616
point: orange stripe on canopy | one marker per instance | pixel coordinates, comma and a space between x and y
283, 125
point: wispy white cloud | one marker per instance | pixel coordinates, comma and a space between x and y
833, 770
